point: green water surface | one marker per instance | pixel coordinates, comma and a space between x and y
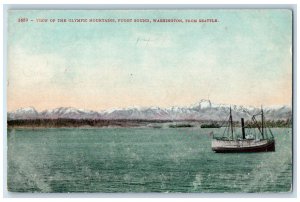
141, 160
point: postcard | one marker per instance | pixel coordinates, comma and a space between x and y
150, 101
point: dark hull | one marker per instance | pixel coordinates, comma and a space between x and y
269, 147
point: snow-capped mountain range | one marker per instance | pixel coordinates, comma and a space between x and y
203, 110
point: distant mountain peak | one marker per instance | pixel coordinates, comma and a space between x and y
202, 110
26, 109
205, 103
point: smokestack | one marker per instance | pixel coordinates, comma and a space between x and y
243, 128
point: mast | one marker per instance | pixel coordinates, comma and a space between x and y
230, 119
262, 123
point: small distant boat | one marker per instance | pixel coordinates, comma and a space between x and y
261, 138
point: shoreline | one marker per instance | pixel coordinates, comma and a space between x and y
131, 123
125, 124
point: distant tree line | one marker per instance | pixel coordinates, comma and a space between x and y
182, 125
271, 123
52, 123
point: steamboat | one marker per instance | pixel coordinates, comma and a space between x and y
257, 138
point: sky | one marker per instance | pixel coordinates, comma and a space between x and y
245, 58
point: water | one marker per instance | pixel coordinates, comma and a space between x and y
141, 160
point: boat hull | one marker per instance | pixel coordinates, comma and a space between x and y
229, 146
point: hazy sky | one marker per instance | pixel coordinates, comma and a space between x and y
245, 58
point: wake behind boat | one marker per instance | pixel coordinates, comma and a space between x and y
258, 139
